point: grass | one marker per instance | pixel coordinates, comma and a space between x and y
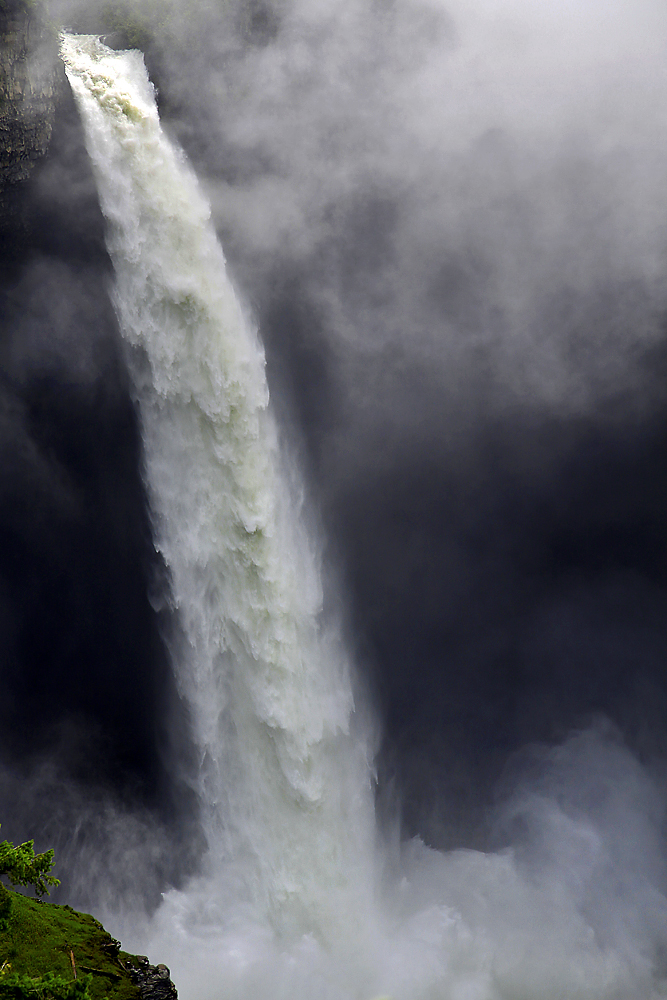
38, 939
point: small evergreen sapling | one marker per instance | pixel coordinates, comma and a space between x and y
23, 867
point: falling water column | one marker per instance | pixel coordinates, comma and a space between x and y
284, 786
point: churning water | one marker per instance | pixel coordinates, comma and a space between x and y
298, 897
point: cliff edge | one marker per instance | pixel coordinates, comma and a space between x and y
51, 952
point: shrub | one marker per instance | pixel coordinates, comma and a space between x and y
48, 987
23, 867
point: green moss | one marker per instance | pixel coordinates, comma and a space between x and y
40, 939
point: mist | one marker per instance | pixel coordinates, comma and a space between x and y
447, 222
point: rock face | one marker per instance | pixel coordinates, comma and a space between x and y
31, 77
153, 980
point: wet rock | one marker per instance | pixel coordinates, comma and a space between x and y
31, 78
154, 981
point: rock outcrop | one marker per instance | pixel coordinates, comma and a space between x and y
154, 981
31, 78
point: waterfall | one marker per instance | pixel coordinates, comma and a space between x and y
281, 781
295, 901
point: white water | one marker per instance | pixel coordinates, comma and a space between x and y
295, 899
282, 784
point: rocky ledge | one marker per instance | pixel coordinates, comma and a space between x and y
154, 981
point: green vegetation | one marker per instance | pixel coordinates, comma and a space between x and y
23, 867
48, 987
50, 952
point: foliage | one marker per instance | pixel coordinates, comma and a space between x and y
14, 986
5, 909
23, 867
40, 938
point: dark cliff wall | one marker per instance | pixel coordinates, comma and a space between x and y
31, 80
